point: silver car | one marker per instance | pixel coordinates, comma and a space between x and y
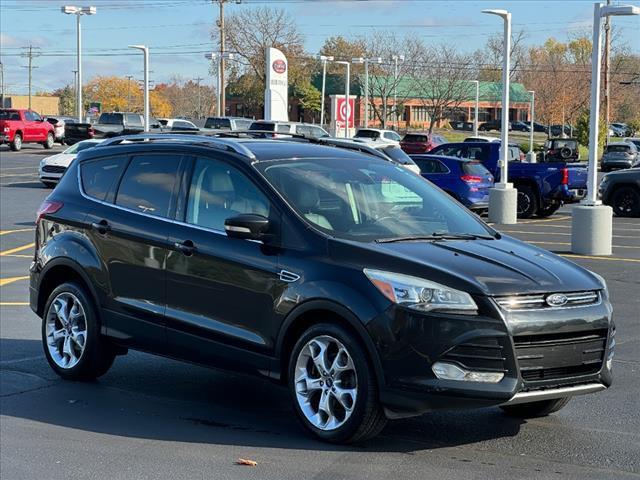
619, 155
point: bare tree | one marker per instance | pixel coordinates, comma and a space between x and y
489, 59
442, 81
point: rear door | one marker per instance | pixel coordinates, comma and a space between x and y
130, 226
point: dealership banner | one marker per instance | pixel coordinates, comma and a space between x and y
276, 104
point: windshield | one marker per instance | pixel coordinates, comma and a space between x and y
368, 200
618, 149
78, 147
110, 119
475, 168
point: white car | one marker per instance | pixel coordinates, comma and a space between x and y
378, 135
177, 124
52, 168
480, 138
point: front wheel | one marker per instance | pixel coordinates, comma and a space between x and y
48, 144
535, 409
625, 202
334, 389
71, 337
527, 202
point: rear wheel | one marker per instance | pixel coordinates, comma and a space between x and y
625, 202
48, 144
527, 201
535, 409
548, 210
71, 337
16, 145
334, 389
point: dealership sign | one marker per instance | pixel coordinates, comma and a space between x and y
344, 112
276, 103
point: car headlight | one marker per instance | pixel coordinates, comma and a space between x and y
420, 294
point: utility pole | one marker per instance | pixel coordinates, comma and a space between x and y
129, 78
30, 54
1, 85
198, 80
75, 89
607, 68
222, 62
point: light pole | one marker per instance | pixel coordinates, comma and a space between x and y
1, 85
396, 58
475, 116
78, 12
366, 62
324, 59
347, 110
219, 78
503, 198
145, 52
531, 156
591, 222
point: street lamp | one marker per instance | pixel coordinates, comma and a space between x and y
503, 198
591, 222
78, 12
324, 59
475, 117
396, 58
531, 156
366, 62
347, 110
145, 51
218, 57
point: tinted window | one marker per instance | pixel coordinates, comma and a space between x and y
619, 148
52, 121
182, 125
431, 166
392, 136
453, 151
477, 153
218, 123
367, 134
134, 120
415, 138
100, 176
147, 185
163, 122
283, 128
219, 191
9, 115
110, 119
474, 168
269, 127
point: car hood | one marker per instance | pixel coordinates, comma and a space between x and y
503, 266
61, 159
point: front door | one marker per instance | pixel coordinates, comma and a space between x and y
221, 291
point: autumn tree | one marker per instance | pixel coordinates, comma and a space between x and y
117, 94
187, 98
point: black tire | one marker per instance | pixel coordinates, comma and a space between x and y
604, 169
535, 409
49, 142
625, 202
527, 201
16, 145
98, 354
367, 418
565, 152
49, 185
547, 210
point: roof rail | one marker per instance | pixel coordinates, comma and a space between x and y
215, 142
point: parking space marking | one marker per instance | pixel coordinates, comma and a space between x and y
545, 220
14, 304
566, 243
560, 233
20, 360
18, 255
8, 280
589, 257
18, 230
17, 249
2, 175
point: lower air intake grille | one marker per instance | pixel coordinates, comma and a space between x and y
479, 354
53, 169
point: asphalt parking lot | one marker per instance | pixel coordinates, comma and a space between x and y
151, 417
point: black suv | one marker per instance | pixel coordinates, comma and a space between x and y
561, 150
359, 285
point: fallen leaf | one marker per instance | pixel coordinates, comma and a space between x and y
248, 463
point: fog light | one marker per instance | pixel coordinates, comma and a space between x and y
449, 371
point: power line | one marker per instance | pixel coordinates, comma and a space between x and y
30, 54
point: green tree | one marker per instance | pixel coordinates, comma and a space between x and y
582, 130
308, 96
67, 100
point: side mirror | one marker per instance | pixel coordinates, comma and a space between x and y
247, 226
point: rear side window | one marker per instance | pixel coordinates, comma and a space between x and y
453, 151
283, 128
110, 119
415, 138
619, 148
99, 177
392, 136
431, 166
147, 184
269, 127
474, 168
134, 120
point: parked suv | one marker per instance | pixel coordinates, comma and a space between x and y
228, 123
561, 150
362, 287
280, 127
378, 135
619, 155
413, 143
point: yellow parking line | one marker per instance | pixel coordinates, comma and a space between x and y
14, 304
18, 255
8, 280
7, 232
17, 249
545, 220
615, 259
565, 243
559, 233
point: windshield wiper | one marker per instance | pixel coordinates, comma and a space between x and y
436, 236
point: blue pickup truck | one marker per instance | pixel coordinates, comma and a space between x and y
542, 187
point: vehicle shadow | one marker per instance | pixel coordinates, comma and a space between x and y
148, 397
38, 185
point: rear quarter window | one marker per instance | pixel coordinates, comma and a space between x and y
99, 177
474, 168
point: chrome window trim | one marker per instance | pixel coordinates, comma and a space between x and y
598, 301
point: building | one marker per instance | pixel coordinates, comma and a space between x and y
40, 104
413, 105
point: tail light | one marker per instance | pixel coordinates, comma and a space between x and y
6, 129
471, 178
47, 207
565, 176
91, 131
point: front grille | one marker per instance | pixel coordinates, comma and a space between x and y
553, 356
545, 301
479, 354
53, 169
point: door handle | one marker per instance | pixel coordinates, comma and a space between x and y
101, 227
187, 247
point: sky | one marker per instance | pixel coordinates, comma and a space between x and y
178, 31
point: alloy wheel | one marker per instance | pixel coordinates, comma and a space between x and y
66, 330
326, 383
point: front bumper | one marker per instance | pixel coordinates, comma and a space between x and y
410, 343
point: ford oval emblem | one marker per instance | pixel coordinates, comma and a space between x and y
557, 300
279, 66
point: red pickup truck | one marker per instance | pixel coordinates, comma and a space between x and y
18, 126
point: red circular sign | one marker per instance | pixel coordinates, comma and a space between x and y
279, 66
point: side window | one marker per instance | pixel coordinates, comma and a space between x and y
147, 185
35, 117
219, 191
28, 115
303, 130
134, 120
99, 177
477, 153
440, 167
426, 166
283, 128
